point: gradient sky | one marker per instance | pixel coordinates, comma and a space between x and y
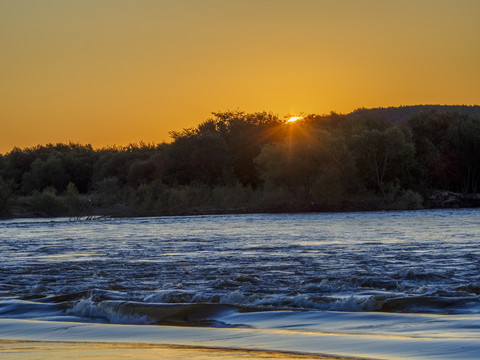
119, 71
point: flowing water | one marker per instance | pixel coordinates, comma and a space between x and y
335, 273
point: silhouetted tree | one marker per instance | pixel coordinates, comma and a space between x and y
201, 158
436, 153
6, 197
463, 141
379, 155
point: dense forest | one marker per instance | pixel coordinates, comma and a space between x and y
393, 158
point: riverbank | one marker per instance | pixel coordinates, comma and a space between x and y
85, 208
40, 350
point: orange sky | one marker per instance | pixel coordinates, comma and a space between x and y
115, 71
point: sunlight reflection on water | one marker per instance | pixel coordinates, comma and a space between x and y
281, 261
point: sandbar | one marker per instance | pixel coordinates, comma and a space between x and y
55, 350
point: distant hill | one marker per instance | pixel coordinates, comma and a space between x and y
402, 113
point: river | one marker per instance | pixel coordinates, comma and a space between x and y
412, 274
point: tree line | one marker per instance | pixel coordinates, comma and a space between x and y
252, 162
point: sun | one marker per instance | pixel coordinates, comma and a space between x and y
294, 118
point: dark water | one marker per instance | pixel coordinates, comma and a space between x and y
114, 269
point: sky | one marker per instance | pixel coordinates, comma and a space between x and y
114, 72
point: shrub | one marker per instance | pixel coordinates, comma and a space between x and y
72, 200
47, 203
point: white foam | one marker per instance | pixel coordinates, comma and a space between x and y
86, 308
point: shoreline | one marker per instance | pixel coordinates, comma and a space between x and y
36, 350
213, 213
420, 342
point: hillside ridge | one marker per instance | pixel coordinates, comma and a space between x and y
399, 114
